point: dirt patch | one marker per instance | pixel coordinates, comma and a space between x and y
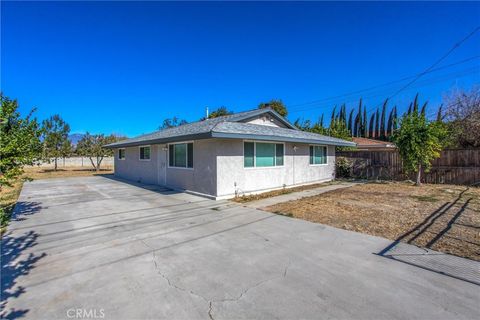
445, 218
279, 192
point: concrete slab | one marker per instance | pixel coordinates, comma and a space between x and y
99, 248
262, 203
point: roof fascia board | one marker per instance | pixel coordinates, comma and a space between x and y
280, 139
198, 136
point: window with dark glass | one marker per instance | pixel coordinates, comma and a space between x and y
144, 153
180, 155
121, 154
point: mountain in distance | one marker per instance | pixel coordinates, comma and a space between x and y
75, 137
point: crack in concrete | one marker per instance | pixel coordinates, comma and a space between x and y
212, 301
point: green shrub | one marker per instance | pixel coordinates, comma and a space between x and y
343, 167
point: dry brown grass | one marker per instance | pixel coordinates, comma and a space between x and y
279, 192
389, 210
9, 195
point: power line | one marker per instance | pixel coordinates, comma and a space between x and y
419, 84
313, 102
443, 57
455, 46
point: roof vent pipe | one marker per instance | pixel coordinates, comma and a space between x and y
206, 110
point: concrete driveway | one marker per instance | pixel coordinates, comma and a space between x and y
100, 248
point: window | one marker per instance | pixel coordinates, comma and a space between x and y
121, 154
261, 154
318, 155
180, 155
145, 153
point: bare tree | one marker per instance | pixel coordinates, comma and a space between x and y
462, 111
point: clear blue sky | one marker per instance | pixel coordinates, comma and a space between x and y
123, 67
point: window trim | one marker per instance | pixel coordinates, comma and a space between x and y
124, 154
255, 155
186, 155
326, 155
139, 153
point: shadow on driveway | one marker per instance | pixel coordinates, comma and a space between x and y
15, 262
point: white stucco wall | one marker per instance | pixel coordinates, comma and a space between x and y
201, 178
266, 120
218, 169
232, 176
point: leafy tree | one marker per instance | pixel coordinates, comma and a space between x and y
92, 146
462, 111
19, 141
419, 142
171, 123
55, 139
275, 104
339, 130
222, 111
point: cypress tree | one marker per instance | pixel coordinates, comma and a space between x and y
371, 127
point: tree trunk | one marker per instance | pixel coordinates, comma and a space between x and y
55, 164
93, 163
99, 162
419, 175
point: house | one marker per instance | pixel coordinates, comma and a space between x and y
242, 153
364, 144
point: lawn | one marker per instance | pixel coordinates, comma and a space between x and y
445, 218
9, 195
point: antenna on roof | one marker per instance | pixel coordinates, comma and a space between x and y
206, 110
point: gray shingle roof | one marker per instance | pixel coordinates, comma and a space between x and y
229, 127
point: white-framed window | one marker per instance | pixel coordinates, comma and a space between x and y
263, 154
180, 155
144, 152
121, 154
318, 155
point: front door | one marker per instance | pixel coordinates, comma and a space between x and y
162, 165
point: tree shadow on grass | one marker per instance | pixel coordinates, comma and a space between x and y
15, 263
445, 264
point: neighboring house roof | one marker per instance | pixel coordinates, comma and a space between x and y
230, 127
364, 143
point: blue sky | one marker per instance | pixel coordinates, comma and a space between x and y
123, 67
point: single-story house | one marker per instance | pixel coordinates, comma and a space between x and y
364, 144
243, 153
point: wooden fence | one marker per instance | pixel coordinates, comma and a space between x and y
455, 166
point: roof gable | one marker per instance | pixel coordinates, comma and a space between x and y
230, 125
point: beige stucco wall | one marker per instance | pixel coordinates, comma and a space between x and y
201, 178
218, 169
233, 177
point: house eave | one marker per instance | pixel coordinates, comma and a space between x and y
198, 136
223, 135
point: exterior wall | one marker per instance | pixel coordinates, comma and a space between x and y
201, 178
232, 177
266, 120
132, 168
218, 169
